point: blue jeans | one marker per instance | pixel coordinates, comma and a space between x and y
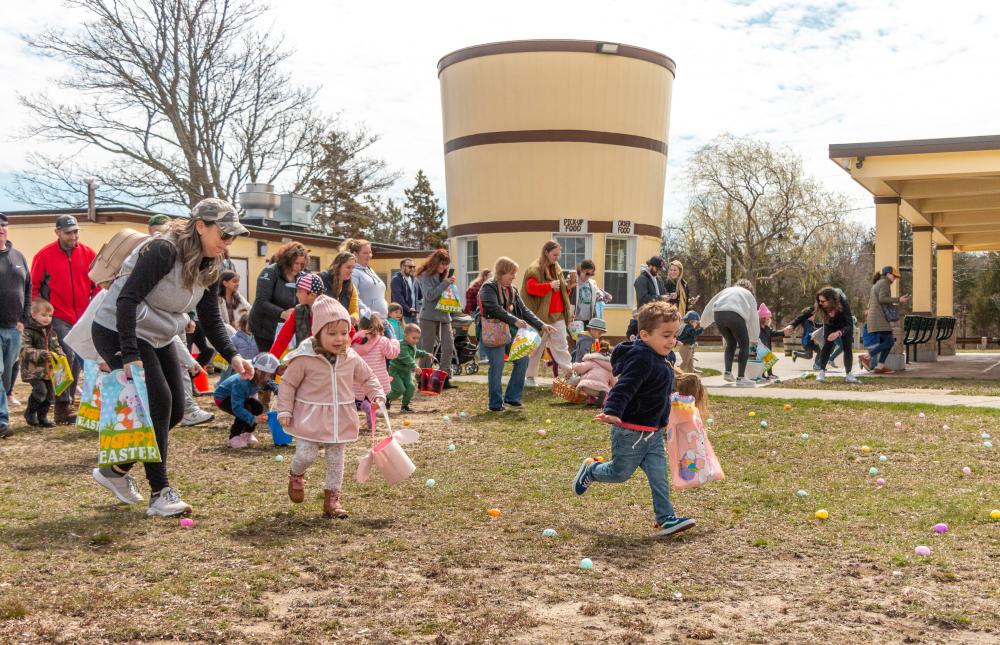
648, 454
515, 386
10, 346
880, 352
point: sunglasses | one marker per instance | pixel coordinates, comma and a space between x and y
226, 236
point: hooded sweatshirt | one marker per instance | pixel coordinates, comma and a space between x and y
641, 396
375, 352
317, 390
15, 288
596, 372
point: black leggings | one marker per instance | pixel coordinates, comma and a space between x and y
847, 339
734, 331
240, 426
205, 353
163, 380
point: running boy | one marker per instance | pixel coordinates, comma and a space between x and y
637, 408
401, 368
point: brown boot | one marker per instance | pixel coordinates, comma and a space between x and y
296, 488
866, 361
64, 413
331, 505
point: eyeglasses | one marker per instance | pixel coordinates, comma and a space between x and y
226, 236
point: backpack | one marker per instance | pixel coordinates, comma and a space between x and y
108, 261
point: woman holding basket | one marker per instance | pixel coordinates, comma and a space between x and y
503, 312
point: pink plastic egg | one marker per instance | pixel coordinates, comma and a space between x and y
187, 522
940, 527
880, 482
899, 424
966, 471
922, 550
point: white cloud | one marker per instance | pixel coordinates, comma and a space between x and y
798, 74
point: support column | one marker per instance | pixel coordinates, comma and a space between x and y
922, 286
945, 290
887, 254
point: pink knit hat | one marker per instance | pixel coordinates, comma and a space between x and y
763, 311
327, 310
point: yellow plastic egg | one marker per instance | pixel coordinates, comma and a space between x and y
751, 414
788, 406
406, 423
865, 449
822, 514
995, 514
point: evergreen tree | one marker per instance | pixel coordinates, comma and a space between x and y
388, 222
425, 218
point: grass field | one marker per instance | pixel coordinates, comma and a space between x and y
421, 564
965, 387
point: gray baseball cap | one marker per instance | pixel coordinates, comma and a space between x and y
221, 213
67, 224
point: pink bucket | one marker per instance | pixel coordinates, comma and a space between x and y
392, 461
432, 381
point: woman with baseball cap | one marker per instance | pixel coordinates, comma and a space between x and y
145, 307
882, 302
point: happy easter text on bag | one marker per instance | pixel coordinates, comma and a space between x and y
126, 429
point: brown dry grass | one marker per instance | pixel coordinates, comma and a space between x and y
418, 564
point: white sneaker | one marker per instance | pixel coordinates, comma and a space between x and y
728, 377
12, 402
168, 503
197, 418
852, 379
250, 439
123, 486
745, 382
530, 382
821, 376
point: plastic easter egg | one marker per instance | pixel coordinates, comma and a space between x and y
995, 514
549, 533
788, 406
922, 416
187, 522
803, 493
822, 514
446, 419
966, 471
985, 435
987, 444
494, 512
946, 427
763, 424
451, 447
431, 483
548, 422
873, 471
751, 413
586, 564
711, 421
880, 482
541, 432
899, 424
922, 551
463, 414
940, 527
805, 437
883, 458
279, 457
678, 595
406, 423
865, 449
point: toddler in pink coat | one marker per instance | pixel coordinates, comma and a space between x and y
375, 348
595, 372
316, 400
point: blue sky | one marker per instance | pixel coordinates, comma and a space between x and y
798, 74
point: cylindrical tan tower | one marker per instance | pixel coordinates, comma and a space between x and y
563, 139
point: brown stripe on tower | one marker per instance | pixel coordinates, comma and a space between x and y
558, 136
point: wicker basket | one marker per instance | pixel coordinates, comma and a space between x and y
564, 390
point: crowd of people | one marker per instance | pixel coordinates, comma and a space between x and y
340, 347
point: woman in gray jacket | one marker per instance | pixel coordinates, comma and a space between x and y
878, 324
433, 280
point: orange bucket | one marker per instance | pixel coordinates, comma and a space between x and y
432, 381
201, 382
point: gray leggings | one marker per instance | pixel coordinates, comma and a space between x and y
734, 330
430, 332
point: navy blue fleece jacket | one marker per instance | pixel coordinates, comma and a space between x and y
645, 380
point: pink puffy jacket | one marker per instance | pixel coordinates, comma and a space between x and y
596, 372
376, 352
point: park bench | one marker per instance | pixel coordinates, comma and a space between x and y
917, 330
945, 328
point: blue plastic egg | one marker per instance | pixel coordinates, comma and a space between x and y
883, 458
549, 533
586, 564
873, 471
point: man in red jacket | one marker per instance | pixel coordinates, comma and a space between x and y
59, 273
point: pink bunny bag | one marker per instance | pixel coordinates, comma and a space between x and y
689, 453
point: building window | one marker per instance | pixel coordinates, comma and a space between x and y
619, 267
314, 263
575, 249
465, 261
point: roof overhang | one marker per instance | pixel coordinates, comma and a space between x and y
951, 185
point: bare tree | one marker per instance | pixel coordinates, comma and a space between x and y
186, 98
757, 203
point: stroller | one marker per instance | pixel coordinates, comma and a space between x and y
465, 348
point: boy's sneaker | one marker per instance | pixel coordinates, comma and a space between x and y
674, 525
583, 480
852, 379
238, 442
745, 382
250, 439
500, 409
123, 486
197, 418
821, 376
168, 504
728, 377
517, 405
5, 431
406, 408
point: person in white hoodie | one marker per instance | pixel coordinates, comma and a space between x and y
734, 312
